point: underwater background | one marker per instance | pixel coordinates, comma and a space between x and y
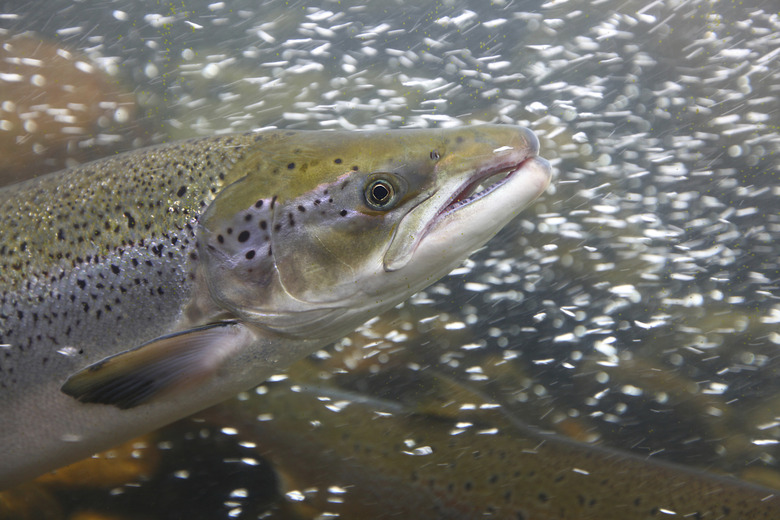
635, 306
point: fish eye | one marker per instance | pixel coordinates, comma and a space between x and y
380, 193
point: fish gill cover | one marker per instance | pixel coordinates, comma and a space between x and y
638, 305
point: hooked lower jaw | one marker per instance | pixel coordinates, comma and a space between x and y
481, 185
505, 190
461, 217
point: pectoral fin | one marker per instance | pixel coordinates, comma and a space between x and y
178, 360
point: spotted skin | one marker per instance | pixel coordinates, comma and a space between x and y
394, 463
68, 267
141, 288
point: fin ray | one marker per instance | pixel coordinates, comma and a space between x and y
136, 376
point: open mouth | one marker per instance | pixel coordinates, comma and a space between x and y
482, 184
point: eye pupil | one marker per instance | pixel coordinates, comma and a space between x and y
379, 193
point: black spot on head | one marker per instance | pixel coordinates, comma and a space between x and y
263, 225
220, 239
243, 236
301, 209
291, 166
259, 204
343, 213
181, 191
250, 254
247, 217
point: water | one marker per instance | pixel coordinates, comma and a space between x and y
636, 305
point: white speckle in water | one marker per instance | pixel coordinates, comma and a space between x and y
210, 71
765, 442
68, 351
455, 325
631, 390
295, 496
11, 77
338, 406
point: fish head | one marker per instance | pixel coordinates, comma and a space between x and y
325, 229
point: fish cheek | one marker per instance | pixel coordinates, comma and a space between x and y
325, 254
235, 249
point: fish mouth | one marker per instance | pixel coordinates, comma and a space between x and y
479, 185
469, 209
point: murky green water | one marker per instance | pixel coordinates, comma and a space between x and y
636, 305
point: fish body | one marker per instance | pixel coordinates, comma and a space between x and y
386, 460
138, 289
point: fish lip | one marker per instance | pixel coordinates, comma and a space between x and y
507, 168
516, 156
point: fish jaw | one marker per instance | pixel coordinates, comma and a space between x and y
458, 219
462, 227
